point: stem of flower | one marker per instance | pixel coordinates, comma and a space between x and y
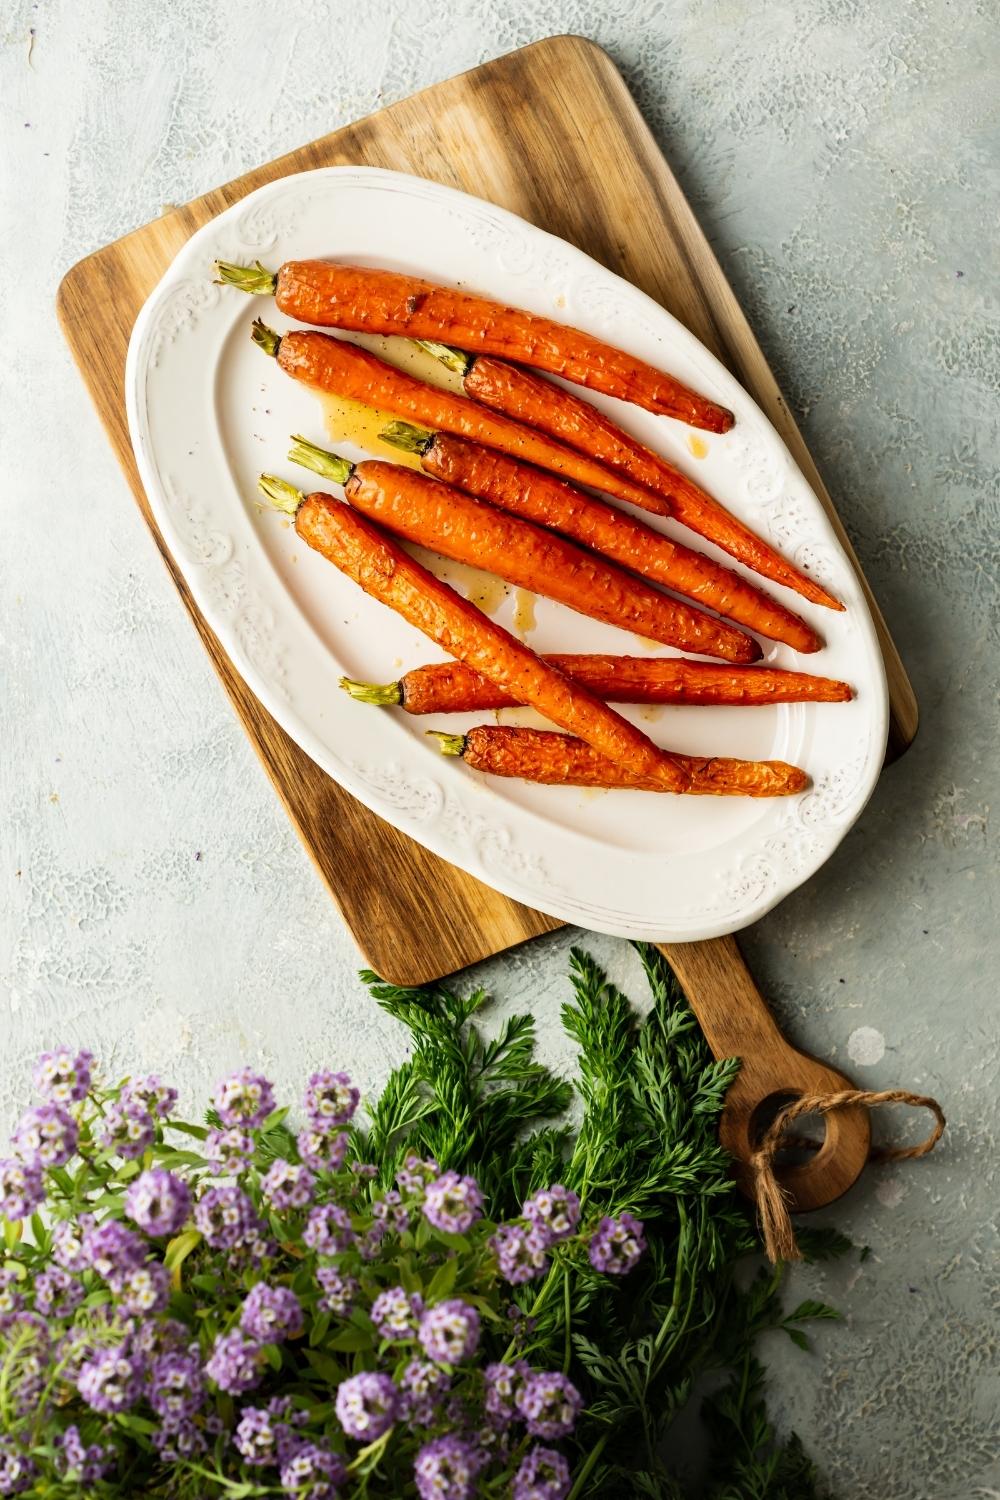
373, 1452
591, 1460
568, 1314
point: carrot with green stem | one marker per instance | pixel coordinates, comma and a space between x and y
467, 530
541, 497
561, 760
448, 687
560, 414
361, 299
385, 571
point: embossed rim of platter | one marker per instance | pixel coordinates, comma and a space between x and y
458, 816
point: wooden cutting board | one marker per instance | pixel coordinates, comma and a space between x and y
552, 133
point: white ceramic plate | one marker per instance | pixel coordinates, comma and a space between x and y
208, 412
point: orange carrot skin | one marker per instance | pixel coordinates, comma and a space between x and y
336, 365
363, 300
458, 526
571, 420
380, 567
560, 760
551, 502
449, 688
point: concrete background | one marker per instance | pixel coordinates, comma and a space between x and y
155, 905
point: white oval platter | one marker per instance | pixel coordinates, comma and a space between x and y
208, 412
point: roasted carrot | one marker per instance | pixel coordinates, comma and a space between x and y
541, 497
447, 687
560, 760
560, 414
381, 567
344, 369
362, 300
467, 530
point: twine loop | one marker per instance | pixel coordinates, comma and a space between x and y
772, 1200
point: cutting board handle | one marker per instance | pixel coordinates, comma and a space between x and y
736, 1021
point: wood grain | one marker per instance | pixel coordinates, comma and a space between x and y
552, 133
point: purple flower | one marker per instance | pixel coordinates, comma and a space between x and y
234, 1363
245, 1098
549, 1403
150, 1094
414, 1175
543, 1475
153, 1337
82, 1462
288, 1185
17, 1470
21, 1189
57, 1293
370, 1241
256, 1436
271, 1313
111, 1381
176, 1387
520, 1252
328, 1229
322, 1150
312, 1473
63, 1076
112, 1250
453, 1203
330, 1100
364, 1169
158, 1201
394, 1315
230, 1150
449, 1332
446, 1469
126, 1129
177, 1441
617, 1245
227, 1218
67, 1243
423, 1386
339, 1291
389, 1211
367, 1405
11, 1300
555, 1211
46, 1136
503, 1382
146, 1290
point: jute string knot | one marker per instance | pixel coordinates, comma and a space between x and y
772, 1201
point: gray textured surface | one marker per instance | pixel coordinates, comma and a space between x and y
843, 159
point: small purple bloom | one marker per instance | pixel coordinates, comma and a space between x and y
146, 1290
271, 1313
227, 1218
414, 1175
46, 1136
234, 1363
367, 1405
288, 1185
543, 1475
367, 1170
393, 1314
177, 1441
84, 1463
520, 1252
446, 1469
230, 1150
150, 1094
126, 1129
256, 1436
449, 1332
423, 1385
67, 1243
617, 1245
330, 1100
159, 1202
17, 1469
339, 1291
21, 1189
389, 1211
453, 1203
549, 1403
245, 1098
176, 1387
312, 1473
503, 1382
112, 1250
322, 1150
153, 1337
328, 1230
110, 1382
57, 1293
555, 1211
63, 1076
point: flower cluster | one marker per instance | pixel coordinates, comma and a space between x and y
242, 1301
